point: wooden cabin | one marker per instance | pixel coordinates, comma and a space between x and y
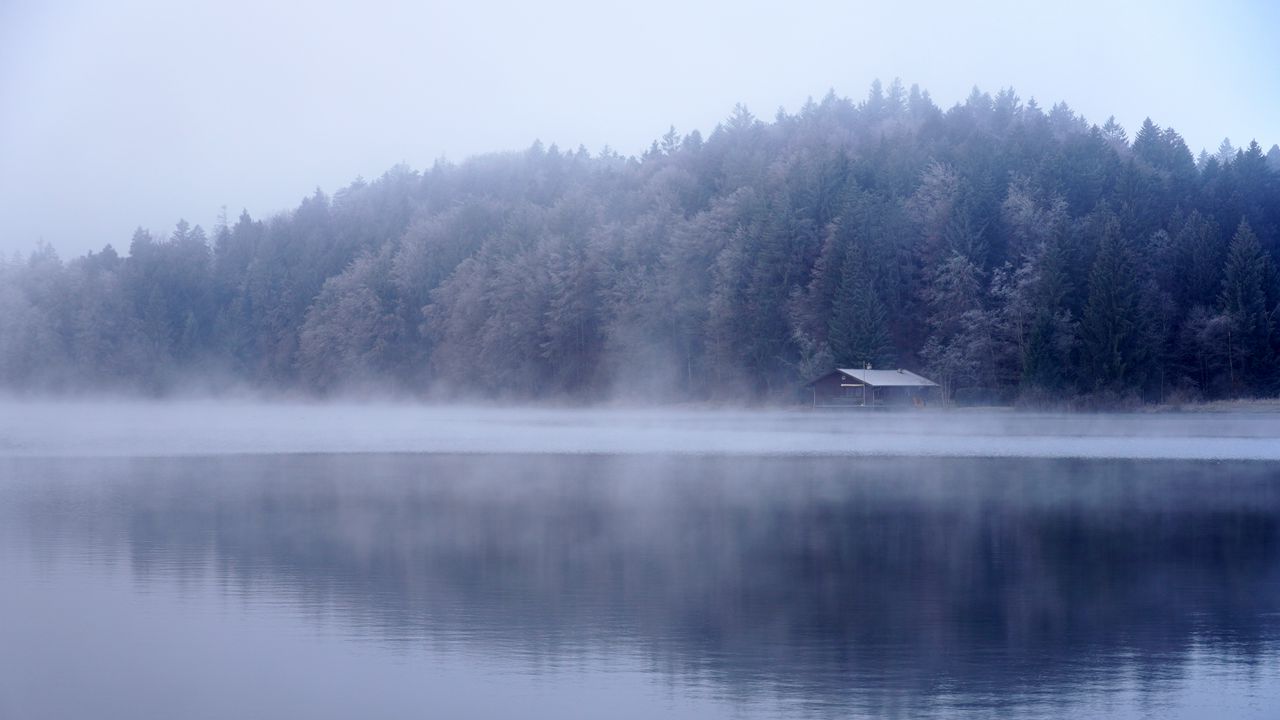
854, 388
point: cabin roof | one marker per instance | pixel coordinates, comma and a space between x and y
884, 378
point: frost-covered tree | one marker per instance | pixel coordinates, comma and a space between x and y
1002, 246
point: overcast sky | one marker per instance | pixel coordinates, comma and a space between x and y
137, 112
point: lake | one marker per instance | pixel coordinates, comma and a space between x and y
637, 585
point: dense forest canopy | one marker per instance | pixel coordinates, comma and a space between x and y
1010, 252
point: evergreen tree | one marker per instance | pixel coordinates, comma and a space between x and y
1244, 303
1112, 328
954, 297
1194, 263
1147, 145
1115, 135
1043, 367
1043, 292
857, 333
994, 244
1226, 152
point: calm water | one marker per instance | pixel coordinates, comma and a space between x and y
397, 586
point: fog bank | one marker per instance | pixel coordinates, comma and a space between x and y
152, 429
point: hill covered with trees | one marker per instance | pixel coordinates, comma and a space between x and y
1008, 251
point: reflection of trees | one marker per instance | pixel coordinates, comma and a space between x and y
815, 577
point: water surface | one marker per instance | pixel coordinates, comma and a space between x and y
638, 586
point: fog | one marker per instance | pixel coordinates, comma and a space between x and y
195, 428
360, 359
790, 192
142, 112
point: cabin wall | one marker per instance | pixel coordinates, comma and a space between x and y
829, 391
905, 396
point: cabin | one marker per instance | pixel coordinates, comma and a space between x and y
854, 388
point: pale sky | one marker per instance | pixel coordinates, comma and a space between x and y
140, 112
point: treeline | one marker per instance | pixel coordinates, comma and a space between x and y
1008, 251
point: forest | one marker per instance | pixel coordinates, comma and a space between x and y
1013, 254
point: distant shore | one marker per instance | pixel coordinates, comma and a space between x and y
1264, 405
1248, 406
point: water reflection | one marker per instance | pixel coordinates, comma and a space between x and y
811, 586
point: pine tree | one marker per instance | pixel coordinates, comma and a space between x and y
954, 300
1051, 334
1226, 152
961, 241
1112, 327
1147, 145
1244, 302
857, 332
1115, 135
1196, 257
1043, 366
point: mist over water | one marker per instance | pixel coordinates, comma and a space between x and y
469, 360
638, 586
132, 428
